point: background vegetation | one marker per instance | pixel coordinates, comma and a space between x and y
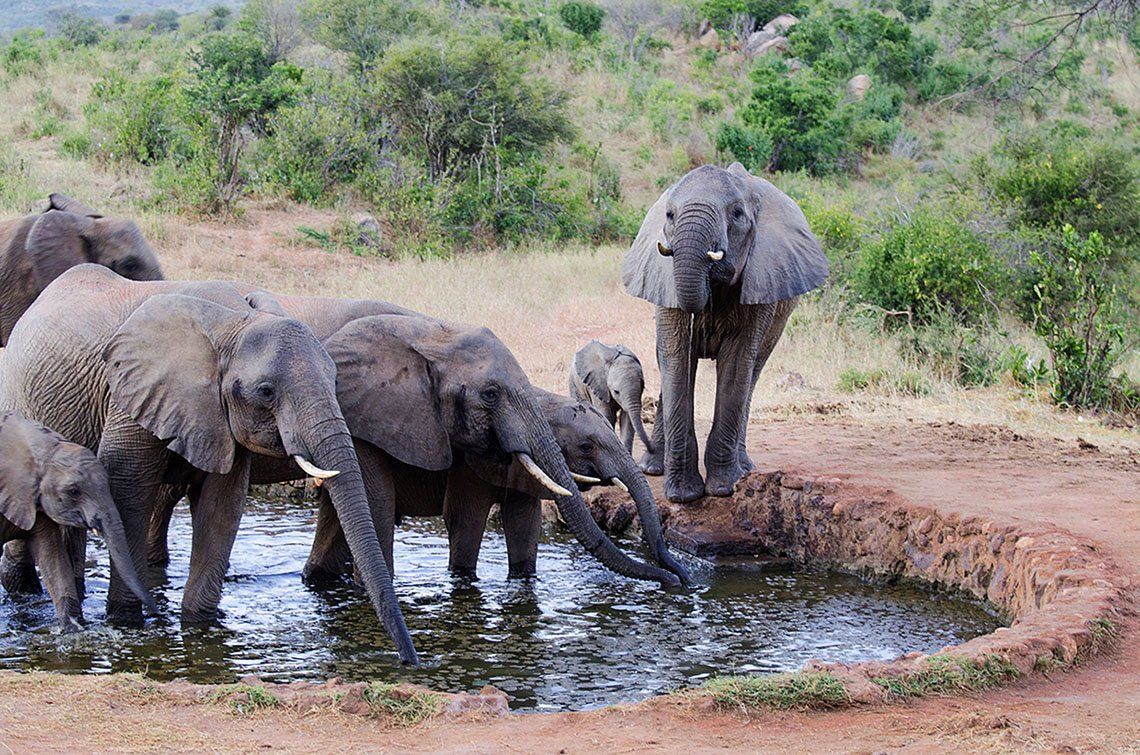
972, 169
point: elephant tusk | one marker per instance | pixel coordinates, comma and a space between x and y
313, 470
620, 484
585, 479
716, 256
537, 473
664, 250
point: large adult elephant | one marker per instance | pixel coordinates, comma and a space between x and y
184, 383
36, 249
723, 254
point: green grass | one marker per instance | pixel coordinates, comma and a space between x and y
947, 674
799, 691
256, 697
407, 707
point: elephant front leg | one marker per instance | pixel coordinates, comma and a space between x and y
216, 507
18, 569
330, 558
653, 460
465, 510
522, 528
677, 360
50, 550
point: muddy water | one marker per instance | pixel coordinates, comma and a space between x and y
577, 637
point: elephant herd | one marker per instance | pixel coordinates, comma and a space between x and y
121, 393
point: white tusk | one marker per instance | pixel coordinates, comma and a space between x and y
716, 256
585, 479
537, 473
620, 484
312, 470
663, 250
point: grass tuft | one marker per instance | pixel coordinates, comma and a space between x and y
799, 691
947, 674
245, 698
407, 706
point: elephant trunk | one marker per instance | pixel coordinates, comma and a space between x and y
632, 407
106, 519
335, 452
648, 515
572, 508
693, 238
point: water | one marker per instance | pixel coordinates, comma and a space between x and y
577, 637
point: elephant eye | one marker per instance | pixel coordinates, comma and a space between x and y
586, 448
490, 394
72, 491
265, 391
737, 213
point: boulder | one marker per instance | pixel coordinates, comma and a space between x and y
710, 40
777, 45
369, 234
780, 24
754, 42
857, 86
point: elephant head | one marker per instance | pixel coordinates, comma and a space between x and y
596, 456
208, 378
722, 228
70, 233
41, 472
418, 388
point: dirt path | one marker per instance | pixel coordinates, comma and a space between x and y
982, 470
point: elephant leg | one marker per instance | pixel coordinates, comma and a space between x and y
18, 569
783, 311
330, 558
653, 460
626, 434
75, 543
522, 528
50, 550
158, 538
216, 506
135, 462
465, 509
677, 361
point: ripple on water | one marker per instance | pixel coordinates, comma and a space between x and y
579, 636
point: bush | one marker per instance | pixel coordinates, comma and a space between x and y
362, 28
1075, 315
136, 121
927, 263
723, 13
582, 18
26, 52
80, 31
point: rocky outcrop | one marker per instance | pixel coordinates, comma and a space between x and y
857, 87
780, 24
760, 43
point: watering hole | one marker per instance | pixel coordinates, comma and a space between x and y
577, 637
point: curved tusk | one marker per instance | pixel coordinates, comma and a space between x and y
312, 470
716, 256
585, 479
664, 250
537, 473
620, 484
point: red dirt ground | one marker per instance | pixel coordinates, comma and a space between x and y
971, 469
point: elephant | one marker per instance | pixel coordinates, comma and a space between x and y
184, 383
610, 379
724, 256
46, 486
36, 249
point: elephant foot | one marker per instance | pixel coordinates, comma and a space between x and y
19, 577
318, 574
126, 614
652, 463
198, 617
463, 572
522, 570
71, 617
681, 488
721, 482
746, 463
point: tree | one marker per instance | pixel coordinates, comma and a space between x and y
277, 23
582, 18
218, 18
637, 20
80, 31
362, 28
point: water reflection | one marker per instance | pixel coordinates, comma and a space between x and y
577, 636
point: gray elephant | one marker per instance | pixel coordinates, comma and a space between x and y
723, 255
36, 249
47, 485
610, 379
185, 383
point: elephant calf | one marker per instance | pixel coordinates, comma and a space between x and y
37, 249
610, 379
46, 485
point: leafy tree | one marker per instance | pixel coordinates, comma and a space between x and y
80, 31
218, 17
582, 18
362, 28
277, 23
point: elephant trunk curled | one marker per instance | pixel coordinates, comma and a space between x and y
649, 516
694, 237
572, 508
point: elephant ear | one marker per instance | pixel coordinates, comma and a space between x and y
263, 301
786, 260
645, 272
57, 201
387, 391
58, 242
163, 370
19, 475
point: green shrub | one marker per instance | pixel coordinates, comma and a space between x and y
80, 31
839, 230
752, 147
27, 51
138, 121
722, 13
925, 263
915, 10
75, 144
582, 18
905, 383
1076, 317
362, 28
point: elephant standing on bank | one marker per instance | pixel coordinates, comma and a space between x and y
37, 249
46, 485
610, 379
183, 384
723, 255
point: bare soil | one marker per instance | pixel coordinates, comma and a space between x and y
985, 470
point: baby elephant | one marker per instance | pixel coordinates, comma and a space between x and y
47, 484
609, 378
